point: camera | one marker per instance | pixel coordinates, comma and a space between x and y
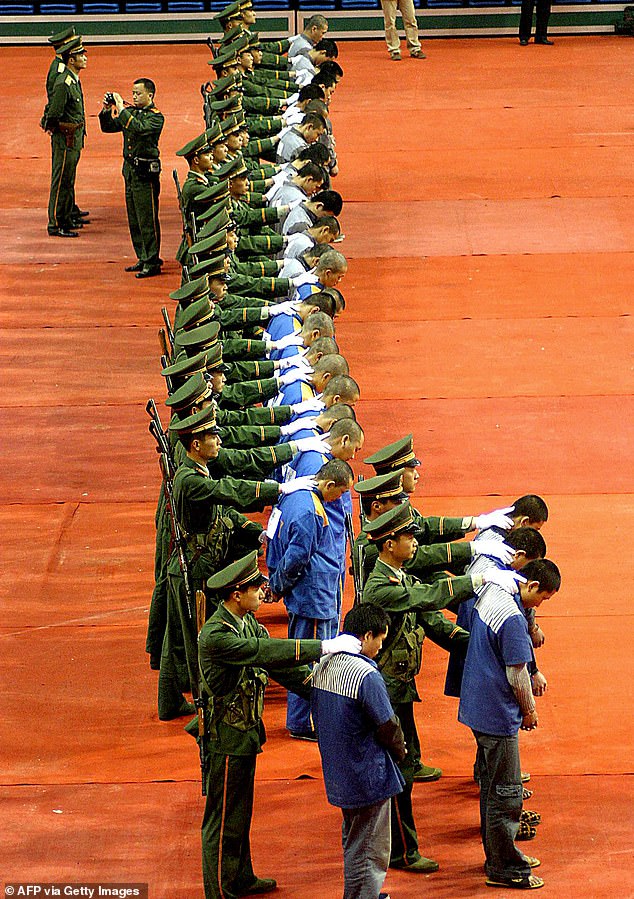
109, 99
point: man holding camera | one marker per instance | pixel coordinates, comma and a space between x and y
141, 124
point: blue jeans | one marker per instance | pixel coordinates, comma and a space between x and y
500, 805
365, 835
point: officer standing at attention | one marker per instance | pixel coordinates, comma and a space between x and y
235, 656
58, 66
141, 124
65, 119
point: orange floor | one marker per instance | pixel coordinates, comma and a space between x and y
489, 222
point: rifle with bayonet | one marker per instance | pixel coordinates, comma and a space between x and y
189, 229
169, 330
196, 606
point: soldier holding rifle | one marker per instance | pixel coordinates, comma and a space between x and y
236, 655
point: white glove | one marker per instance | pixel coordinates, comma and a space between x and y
298, 360
289, 306
298, 425
313, 444
493, 548
292, 99
507, 580
499, 518
303, 483
288, 362
314, 404
294, 339
342, 643
293, 375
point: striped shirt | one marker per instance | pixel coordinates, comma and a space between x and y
349, 702
499, 638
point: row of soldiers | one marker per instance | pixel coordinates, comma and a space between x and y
263, 414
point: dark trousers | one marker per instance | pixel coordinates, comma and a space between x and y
403, 827
526, 18
227, 867
61, 200
500, 804
157, 618
179, 653
300, 628
142, 205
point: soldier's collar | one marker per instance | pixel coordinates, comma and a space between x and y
233, 620
197, 467
397, 571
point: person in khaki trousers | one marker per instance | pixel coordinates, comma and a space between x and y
408, 14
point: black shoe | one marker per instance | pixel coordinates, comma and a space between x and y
62, 232
137, 267
259, 885
544, 40
79, 223
309, 735
523, 41
149, 271
81, 213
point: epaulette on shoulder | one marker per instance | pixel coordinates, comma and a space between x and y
154, 109
393, 580
69, 79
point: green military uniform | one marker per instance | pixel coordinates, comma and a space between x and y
195, 184
272, 60
236, 655
256, 108
141, 129
427, 561
414, 613
214, 535
435, 535
260, 244
64, 117
276, 48
247, 428
261, 126
56, 68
